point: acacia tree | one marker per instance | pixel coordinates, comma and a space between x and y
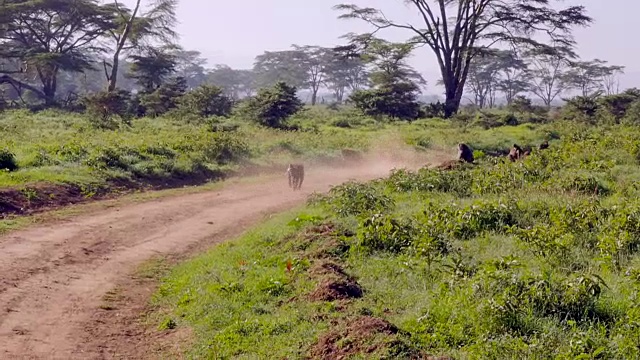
454, 29
287, 66
190, 66
135, 26
315, 60
548, 72
50, 36
512, 77
395, 84
152, 67
610, 80
236, 83
481, 81
588, 77
345, 74
496, 71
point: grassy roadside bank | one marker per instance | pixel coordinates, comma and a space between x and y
57, 159
532, 259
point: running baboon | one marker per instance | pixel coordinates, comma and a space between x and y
544, 145
465, 153
351, 155
448, 165
515, 153
295, 173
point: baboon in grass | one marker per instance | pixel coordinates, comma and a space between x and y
465, 153
295, 173
544, 145
515, 153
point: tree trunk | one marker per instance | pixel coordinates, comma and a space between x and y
339, 94
48, 77
113, 77
453, 97
314, 96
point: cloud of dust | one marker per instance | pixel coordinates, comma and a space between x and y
388, 153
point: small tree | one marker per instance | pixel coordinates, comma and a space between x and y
397, 100
152, 67
618, 105
103, 106
206, 100
273, 106
396, 84
521, 104
163, 98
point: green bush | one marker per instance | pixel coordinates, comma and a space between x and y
353, 198
396, 100
164, 98
101, 108
206, 100
271, 107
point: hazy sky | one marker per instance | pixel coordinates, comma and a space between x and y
234, 32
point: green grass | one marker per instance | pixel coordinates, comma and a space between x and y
58, 147
528, 260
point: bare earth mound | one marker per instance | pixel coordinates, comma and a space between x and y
53, 278
334, 284
365, 335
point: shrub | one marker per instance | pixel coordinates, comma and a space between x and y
434, 110
385, 233
103, 106
632, 115
206, 100
352, 198
396, 100
271, 107
617, 105
226, 148
521, 104
164, 98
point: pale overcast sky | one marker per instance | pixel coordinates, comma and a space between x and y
234, 32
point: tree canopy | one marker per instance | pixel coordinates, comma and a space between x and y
456, 31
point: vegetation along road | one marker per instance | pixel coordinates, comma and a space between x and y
53, 278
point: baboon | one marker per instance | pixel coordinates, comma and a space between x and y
515, 153
465, 153
544, 145
351, 155
295, 173
448, 165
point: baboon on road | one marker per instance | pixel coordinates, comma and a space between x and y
351, 155
295, 173
465, 153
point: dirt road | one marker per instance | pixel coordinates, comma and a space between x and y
53, 277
